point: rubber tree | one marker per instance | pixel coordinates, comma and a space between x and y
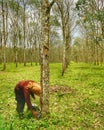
92, 16
4, 30
44, 56
67, 25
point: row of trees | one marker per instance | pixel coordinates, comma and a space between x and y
91, 23
47, 27
21, 31
20, 35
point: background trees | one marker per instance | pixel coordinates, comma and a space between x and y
20, 31
91, 16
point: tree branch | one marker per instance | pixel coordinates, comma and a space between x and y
51, 4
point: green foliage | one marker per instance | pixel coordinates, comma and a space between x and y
81, 109
54, 21
90, 11
79, 3
13, 5
36, 3
100, 15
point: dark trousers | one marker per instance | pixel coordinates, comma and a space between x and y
19, 96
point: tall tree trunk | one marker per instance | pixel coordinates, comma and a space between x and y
17, 38
4, 36
35, 47
101, 56
86, 56
0, 47
97, 54
15, 52
66, 50
66, 29
24, 32
45, 16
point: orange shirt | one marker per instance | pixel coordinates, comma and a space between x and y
22, 91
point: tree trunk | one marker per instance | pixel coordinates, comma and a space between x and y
0, 47
64, 11
15, 49
24, 32
16, 42
64, 40
45, 15
66, 52
4, 36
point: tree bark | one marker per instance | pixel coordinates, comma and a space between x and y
44, 59
4, 36
24, 33
64, 11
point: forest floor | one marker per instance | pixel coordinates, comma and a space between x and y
76, 99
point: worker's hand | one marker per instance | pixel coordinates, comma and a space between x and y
36, 114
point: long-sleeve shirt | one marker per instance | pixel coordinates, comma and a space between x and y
23, 91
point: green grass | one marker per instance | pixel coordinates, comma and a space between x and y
81, 109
